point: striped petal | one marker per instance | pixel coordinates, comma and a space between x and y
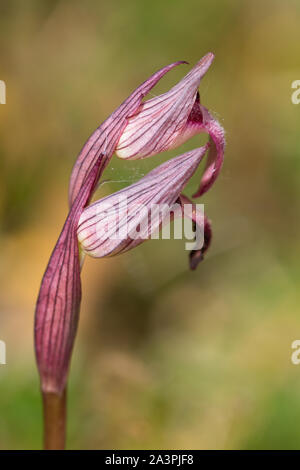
216, 152
164, 122
109, 226
105, 138
57, 309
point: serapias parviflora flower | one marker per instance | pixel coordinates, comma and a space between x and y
134, 130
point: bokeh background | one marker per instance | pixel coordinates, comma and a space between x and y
164, 357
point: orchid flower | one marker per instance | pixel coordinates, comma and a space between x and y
57, 309
134, 130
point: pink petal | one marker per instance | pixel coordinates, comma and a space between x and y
161, 122
216, 152
57, 309
99, 223
105, 138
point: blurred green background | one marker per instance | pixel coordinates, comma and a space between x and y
164, 357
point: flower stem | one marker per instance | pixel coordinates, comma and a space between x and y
54, 406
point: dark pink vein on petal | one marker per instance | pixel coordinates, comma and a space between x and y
57, 309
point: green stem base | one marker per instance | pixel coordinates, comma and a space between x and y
54, 407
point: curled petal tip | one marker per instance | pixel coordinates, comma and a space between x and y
215, 155
195, 257
180, 62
